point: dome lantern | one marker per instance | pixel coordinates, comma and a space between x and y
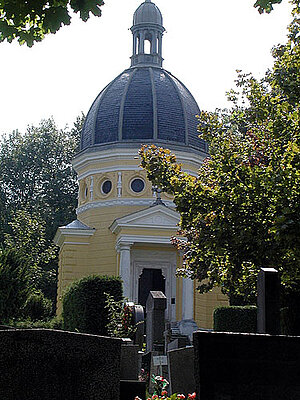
147, 31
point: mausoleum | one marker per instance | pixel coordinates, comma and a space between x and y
123, 227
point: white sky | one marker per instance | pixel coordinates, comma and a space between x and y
205, 42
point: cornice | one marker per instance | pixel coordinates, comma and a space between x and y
121, 202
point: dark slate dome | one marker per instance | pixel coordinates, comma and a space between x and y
143, 105
148, 13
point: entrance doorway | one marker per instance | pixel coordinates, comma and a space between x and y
150, 279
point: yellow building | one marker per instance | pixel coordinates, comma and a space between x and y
123, 226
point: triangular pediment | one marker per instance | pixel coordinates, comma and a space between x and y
159, 217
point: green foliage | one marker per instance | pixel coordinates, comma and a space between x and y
235, 319
266, 5
54, 323
84, 303
38, 193
36, 173
28, 239
159, 384
29, 21
120, 318
242, 212
14, 284
37, 307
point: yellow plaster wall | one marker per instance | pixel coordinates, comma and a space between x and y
205, 305
99, 256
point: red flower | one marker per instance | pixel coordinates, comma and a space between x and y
164, 392
181, 396
192, 396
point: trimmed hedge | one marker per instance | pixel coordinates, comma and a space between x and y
37, 307
84, 303
235, 319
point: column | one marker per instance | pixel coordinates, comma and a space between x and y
134, 43
187, 299
125, 273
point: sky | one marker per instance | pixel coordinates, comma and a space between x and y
205, 42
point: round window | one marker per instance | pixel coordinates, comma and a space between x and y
137, 185
106, 187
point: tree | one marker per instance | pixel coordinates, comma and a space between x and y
38, 193
242, 212
28, 240
266, 5
36, 173
14, 285
29, 21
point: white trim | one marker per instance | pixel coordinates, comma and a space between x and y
121, 202
157, 217
62, 232
76, 232
75, 243
144, 239
120, 154
117, 168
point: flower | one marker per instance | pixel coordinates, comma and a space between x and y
192, 396
154, 396
137, 398
181, 396
164, 392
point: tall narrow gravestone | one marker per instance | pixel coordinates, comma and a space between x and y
155, 324
268, 306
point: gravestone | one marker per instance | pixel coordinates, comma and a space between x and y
178, 343
130, 389
155, 309
268, 302
181, 370
139, 320
46, 364
240, 366
129, 361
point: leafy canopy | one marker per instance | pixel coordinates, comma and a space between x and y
29, 21
242, 211
38, 193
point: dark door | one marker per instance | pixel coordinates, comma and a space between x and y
151, 279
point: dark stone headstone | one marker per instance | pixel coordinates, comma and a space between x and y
129, 362
181, 371
237, 366
268, 302
46, 364
178, 343
155, 326
139, 320
130, 389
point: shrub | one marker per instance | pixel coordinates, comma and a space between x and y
120, 318
37, 307
54, 323
235, 319
84, 303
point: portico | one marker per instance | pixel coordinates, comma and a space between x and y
144, 247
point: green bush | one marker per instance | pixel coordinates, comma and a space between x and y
84, 303
54, 323
37, 307
235, 319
